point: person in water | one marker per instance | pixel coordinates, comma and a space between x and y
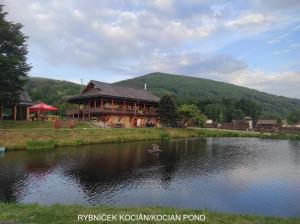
155, 148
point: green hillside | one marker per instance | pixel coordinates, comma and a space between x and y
192, 90
50, 91
185, 88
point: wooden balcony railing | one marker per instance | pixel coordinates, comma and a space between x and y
115, 111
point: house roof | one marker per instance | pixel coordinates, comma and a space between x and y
267, 122
105, 89
24, 98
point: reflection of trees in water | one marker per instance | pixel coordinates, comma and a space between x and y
108, 168
103, 169
112, 167
128, 165
11, 178
16, 168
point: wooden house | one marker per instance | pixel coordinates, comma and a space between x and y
114, 106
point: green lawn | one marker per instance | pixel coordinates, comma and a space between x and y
41, 135
36, 124
16, 213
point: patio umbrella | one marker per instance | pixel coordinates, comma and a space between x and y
42, 107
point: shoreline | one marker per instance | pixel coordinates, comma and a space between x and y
34, 213
42, 139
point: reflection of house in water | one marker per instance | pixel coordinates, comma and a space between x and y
103, 173
129, 165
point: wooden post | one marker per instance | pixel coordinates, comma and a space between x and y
112, 105
101, 103
134, 107
83, 112
89, 109
27, 113
124, 106
1, 115
95, 103
78, 112
15, 112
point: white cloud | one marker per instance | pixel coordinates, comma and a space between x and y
223, 68
281, 51
100, 37
189, 64
283, 36
136, 37
284, 84
249, 20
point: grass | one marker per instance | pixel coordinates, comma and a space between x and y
36, 124
40, 145
17, 213
35, 139
41, 135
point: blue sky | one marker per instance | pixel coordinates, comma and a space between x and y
253, 43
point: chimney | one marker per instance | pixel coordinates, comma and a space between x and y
145, 86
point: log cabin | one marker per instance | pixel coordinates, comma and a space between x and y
19, 110
114, 106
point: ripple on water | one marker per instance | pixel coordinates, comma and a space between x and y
244, 175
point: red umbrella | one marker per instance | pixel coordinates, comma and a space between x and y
42, 107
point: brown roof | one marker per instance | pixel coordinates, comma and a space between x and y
105, 89
267, 122
24, 98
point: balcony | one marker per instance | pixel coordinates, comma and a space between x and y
112, 111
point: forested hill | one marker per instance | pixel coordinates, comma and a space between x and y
188, 89
50, 91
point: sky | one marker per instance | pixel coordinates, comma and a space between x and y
254, 43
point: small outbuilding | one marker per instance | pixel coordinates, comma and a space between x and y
267, 125
20, 110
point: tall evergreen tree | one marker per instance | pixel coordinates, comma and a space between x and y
13, 65
167, 111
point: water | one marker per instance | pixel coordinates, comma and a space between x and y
236, 175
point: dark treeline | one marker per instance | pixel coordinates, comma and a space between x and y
226, 110
172, 113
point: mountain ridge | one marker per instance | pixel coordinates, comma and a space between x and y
186, 89
193, 89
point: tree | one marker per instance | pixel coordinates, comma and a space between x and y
293, 117
190, 113
249, 108
167, 111
215, 111
13, 66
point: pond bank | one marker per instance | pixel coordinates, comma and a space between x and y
37, 139
69, 214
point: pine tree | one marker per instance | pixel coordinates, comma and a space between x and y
167, 111
13, 65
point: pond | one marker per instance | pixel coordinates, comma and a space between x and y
236, 175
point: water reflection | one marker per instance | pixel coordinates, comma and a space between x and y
226, 174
